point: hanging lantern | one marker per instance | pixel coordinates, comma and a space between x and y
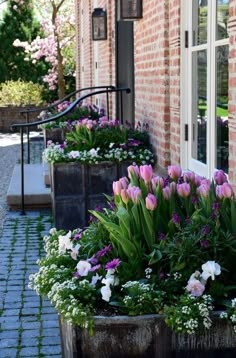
99, 24
130, 10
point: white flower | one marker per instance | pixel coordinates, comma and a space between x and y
210, 269
106, 293
93, 152
95, 279
74, 251
106, 290
65, 243
83, 267
74, 154
52, 231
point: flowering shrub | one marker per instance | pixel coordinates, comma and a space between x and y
93, 141
167, 246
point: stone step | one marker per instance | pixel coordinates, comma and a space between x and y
37, 195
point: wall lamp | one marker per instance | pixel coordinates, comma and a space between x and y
99, 24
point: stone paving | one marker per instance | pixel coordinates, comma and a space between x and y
28, 324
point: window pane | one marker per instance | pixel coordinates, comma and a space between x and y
200, 11
222, 144
199, 105
222, 13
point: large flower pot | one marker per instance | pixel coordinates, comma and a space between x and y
145, 336
76, 188
121, 337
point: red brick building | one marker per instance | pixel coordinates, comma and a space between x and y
179, 59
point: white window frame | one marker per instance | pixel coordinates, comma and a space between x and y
186, 88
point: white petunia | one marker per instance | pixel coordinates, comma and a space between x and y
75, 251
83, 267
65, 243
95, 279
210, 269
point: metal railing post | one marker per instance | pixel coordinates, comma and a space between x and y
22, 173
28, 141
108, 114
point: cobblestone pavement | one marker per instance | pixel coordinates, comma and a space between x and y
28, 325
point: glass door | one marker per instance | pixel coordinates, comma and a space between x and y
206, 91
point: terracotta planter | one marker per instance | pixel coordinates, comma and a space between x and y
145, 336
76, 188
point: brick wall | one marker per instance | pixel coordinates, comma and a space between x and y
11, 115
232, 92
157, 78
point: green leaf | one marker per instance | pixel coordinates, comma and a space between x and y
155, 256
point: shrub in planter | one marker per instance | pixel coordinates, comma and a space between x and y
167, 246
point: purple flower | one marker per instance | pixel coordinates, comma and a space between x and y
205, 230
162, 236
174, 171
176, 219
112, 265
103, 251
183, 190
95, 268
93, 260
78, 235
204, 243
220, 177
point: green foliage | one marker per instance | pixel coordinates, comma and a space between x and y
18, 24
19, 93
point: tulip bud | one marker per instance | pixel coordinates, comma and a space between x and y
166, 192
220, 177
151, 202
133, 170
174, 171
124, 196
203, 190
146, 173
116, 185
227, 190
134, 193
183, 190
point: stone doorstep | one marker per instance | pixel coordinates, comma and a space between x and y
36, 193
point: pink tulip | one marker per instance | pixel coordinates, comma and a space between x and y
133, 170
134, 193
220, 177
205, 181
166, 192
203, 190
116, 185
174, 171
124, 182
189, 177
124, 196
198, 180
227, 190
151, 202
183, 190
219, 193
146, 173
157, 181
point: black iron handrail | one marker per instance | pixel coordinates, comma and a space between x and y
56, 117
27, 111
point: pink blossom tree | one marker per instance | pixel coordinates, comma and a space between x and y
56, 47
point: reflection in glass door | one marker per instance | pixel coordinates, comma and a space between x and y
206, 60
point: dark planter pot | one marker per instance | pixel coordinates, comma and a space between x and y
56, 135
76, 188
145, 336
